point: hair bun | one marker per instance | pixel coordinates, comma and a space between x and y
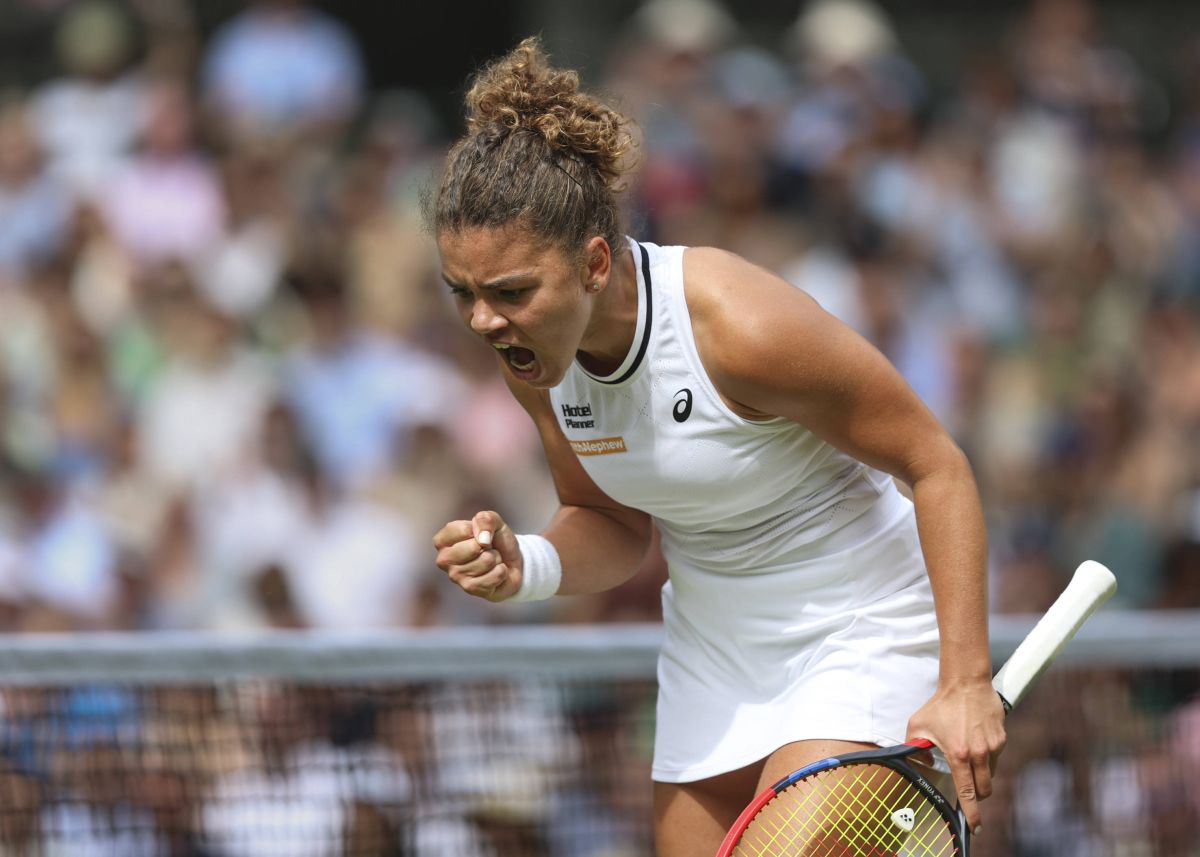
521, 91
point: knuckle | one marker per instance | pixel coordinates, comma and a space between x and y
476, 586
482, 577
966, 792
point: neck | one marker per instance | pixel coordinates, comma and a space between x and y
610, 333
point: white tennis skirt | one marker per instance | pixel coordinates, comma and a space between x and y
842, 645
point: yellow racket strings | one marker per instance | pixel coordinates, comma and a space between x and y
858, 811
820, 815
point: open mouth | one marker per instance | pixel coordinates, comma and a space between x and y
522, 361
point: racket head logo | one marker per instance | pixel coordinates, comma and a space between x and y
905, 819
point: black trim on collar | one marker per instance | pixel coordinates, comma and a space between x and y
645, 343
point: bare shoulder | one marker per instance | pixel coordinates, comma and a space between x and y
771, 351
749, 322
724, 288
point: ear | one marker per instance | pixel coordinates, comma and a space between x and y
597, 263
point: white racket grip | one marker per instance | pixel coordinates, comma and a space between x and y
1091, 585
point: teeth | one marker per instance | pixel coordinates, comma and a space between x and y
503, 347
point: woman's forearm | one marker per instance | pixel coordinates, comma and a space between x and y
954, 542
599, 548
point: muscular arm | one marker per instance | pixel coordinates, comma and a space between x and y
780, 354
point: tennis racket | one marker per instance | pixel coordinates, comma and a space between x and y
874, 803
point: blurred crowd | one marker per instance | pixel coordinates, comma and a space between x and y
1096, 766
269, 769
234, 395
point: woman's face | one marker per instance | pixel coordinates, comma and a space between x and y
525, 297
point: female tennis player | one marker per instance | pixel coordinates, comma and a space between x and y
812, 609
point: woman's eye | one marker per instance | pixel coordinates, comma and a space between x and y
509, 294
459, 293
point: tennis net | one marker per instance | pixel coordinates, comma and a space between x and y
498, 742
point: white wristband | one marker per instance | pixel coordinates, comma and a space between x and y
542, 569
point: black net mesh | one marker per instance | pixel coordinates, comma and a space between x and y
1100, 762
263, 768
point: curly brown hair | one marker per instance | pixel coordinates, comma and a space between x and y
537, 152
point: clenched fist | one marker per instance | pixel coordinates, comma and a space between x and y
481, 556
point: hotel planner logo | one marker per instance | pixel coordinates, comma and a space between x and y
572, 416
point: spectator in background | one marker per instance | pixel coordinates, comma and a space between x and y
661, 71
133, 504
35, 207
738, 174
28, 369
81, 412
375, 209
357, 393
165, 205
65, 557
12, 590
241, 272
90, 117
282, 68
355, 563
852, 73
248, 521
203, 412
167, 585
306, 764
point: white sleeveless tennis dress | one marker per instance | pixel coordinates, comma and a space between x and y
798, 605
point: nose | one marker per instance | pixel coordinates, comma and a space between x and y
484, 319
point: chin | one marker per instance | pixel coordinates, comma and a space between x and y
546, 380
541, 380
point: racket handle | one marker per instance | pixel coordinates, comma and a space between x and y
1090, 586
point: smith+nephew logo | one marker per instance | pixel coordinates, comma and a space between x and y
599, 446
573, 416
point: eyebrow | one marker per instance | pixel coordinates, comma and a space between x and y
499, 283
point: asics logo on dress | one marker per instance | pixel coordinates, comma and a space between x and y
571, 413
683, 405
